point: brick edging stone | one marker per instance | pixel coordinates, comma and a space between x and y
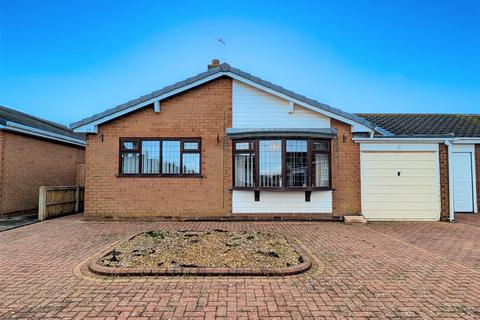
95, 267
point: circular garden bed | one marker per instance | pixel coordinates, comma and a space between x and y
216, 252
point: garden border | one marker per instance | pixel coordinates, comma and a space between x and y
97, 268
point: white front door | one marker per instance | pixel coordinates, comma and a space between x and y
462, 182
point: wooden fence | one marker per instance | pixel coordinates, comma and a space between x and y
59, 200
80, 174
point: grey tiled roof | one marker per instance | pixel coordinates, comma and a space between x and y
11, 115
460, 125
224, 67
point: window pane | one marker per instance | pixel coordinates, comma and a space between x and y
296, 162
171, 157
243, 146
130, 163
320, 146
191, 163
270, 163
130, 145
321, 170
150, 156
244, 169
190, 146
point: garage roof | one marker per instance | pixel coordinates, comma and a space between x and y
460, 125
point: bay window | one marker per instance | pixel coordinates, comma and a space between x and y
321, 164
296, 163
281, 163
160, 157
270, 157
244, 157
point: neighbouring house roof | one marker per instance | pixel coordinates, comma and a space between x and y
460, 125
223, 69
13, 120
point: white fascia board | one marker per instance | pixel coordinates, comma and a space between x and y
453, 140
356, 126
466, 141
400, 140
16, 127
92, 127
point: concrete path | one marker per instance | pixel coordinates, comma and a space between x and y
17, 221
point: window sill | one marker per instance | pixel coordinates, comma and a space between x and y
197, 176
283, 189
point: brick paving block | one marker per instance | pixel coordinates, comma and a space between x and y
378, 271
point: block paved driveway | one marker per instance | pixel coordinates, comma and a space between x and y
383, 270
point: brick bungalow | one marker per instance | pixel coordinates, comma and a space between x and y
226, 144
34, 152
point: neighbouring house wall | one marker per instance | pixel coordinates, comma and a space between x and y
253, 108
203, 111
345, 171
444, 182
2, 140
29, 163
477, 171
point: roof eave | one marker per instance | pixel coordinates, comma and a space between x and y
20, 128
90, 124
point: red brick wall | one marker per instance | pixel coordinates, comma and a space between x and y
205, 112
444, 183
345, 171
2, 140
29, 163
477, 169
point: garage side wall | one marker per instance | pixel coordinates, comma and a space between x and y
29, 163
477, 170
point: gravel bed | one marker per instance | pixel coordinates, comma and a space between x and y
211, 249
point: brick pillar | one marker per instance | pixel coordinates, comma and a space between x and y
345, 171
444, 183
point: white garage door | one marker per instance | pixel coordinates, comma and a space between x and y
400, 185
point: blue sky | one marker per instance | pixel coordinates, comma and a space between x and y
66, 60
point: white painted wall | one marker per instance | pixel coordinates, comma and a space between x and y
253, 108
281, 202
412, 195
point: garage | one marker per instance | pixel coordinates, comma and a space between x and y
400, 181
